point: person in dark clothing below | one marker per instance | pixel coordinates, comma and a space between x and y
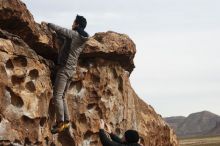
131, 137
67, 62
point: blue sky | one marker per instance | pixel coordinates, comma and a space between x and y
178, 46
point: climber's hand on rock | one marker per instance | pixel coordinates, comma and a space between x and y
108, 129
101, 124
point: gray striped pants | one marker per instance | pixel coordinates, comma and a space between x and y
61, 86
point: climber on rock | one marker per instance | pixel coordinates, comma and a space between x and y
67, 61
130, 138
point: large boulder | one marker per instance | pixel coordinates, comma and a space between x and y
100, 88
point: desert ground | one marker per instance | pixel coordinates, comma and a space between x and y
201, 141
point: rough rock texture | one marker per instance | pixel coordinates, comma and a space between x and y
15, 18
99, 89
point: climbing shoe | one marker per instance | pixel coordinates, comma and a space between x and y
60, 127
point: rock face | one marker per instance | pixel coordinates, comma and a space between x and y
99, 89
15, 18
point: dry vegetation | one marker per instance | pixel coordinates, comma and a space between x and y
201, 141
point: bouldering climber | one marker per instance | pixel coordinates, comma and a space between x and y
130, 138
67, 61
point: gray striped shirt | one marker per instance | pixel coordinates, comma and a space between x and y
71, 48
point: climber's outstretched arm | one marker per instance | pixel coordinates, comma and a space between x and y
64, 31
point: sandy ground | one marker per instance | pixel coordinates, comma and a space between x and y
204, 141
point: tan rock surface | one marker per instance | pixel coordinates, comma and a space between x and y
15, 18
100, 88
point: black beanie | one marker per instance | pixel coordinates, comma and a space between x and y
131, 136
81, 21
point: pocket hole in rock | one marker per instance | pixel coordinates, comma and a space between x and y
120, 84
27, 141
20, 61
43, 121
111, 123
95, 78
99, 111
73, 125
94, 142
109, 92
15, 99
17, 141
118, 131
38, 143
82, 118
16, 79
27, 120
30, 86
34, 74
88, 134
9, 64
115, 75
78, 86
47, 140
94, 94
52, 144
91, 106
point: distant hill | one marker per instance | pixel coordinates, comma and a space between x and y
202, 123
174, 121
